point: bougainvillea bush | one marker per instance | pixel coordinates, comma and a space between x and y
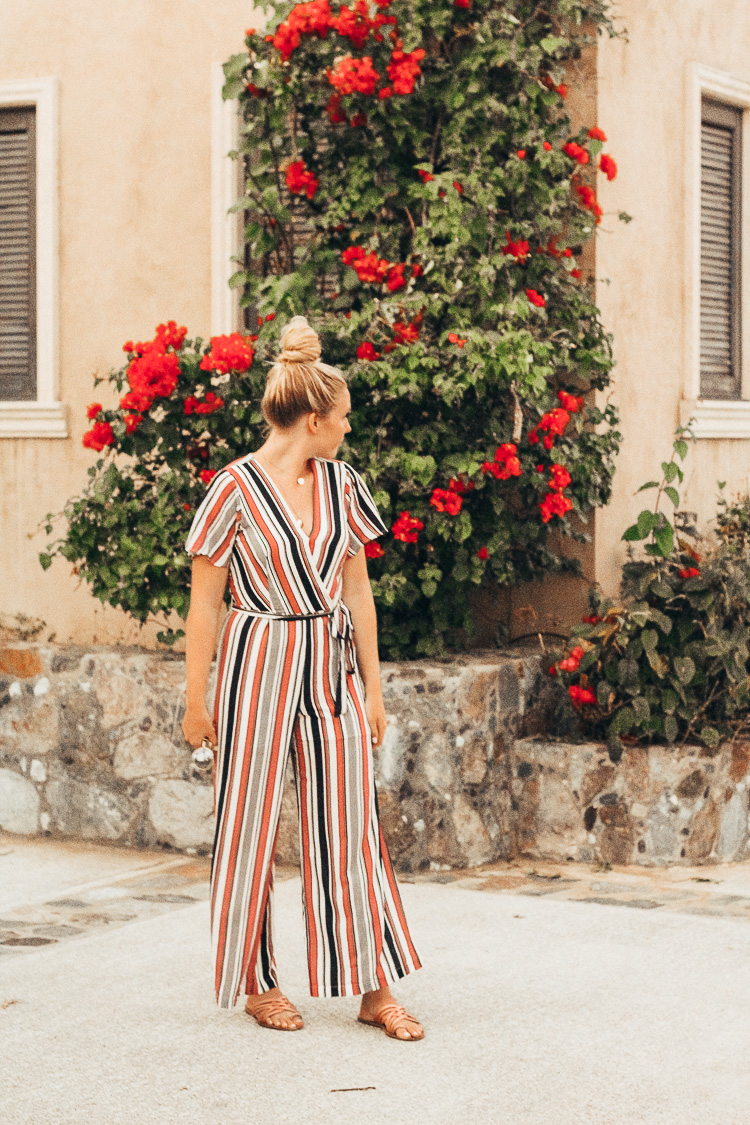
415, 188
669, 660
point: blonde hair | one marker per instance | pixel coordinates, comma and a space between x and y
298, 383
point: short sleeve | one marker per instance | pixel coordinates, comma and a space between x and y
363, 517
216, 522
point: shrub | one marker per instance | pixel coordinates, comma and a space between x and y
668, 661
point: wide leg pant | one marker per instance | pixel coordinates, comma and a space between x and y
274, 695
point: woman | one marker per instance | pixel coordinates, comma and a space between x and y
297, 671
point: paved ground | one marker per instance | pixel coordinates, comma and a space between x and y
549, 994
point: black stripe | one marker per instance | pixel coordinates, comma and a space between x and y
232, 709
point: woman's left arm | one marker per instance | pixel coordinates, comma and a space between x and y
356, 593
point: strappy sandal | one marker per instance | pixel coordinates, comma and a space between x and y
390, 1018
274, 1006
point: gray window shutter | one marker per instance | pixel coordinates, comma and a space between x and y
17, 253
720, 341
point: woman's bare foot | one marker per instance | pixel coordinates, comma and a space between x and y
273, 1009
381, 1007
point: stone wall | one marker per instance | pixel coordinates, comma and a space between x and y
91, 747
685, 805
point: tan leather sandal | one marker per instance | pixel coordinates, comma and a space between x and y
390, 1018
274, 1006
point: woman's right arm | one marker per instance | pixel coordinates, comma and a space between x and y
207, 586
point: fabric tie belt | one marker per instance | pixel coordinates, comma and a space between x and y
342, 629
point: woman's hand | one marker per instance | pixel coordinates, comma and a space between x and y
197, 725
375, 711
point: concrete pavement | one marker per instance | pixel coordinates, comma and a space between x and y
544, 999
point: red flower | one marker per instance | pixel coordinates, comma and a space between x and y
367, 351
229, 353
555, 504
373, 551
395, 278
154, 372
98, 436
690, 572
358, 119
608, 166
403, 69
462, 3
591, 619
562, 89
187, 507
536, 298
406, 527
519, 249
458, 187
304, 19
136, 400
454, 339
572, 403
299, 179
548, 441
334, 111
458, 485
506, 463
547, 146
425, 176
552, 671
416, 270
571, 662
575, 152
581, 695
588, 200
446, 500
354, 76
521, 153
560, 478
132, 422
249, 31
93, 410
482, 553
405, 333
207, 475
576, 273
270, 316
210, 403
385, 92
597, 134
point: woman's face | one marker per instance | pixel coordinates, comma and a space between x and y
333, 427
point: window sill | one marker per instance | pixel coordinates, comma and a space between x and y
717, 418
33, 420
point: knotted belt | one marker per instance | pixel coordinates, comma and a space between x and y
342, 629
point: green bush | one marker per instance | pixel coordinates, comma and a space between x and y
669, 660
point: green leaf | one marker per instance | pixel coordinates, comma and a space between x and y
684, 667
673, 494
664, 541
671, 728
632, 533
45, 560
648, 484
657, 662
641, 708
647, 521
650, 639
710, 736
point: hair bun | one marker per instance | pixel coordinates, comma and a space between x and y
299, 342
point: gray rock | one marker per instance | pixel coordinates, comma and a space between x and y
148, 755
181, 814
86, 810
19, 804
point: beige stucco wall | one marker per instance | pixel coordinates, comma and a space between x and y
642, 109
134, 218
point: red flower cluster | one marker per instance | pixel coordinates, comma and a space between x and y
456, 484
425, 176
210, 403
98, 436
132, 422
572, 403
403, 69
519, 249
228, 353
406, 527
93, 410
561, 89
552, 425
581, 695
446, 500
207, 475
482, 553
536, 298
506, 463
304, 19
354, 76
608, 166
167, 335
299, 179
454, 339
597, 134
152, 374
690, 572
554, 504
571, 662
588, 200
374, 270
575, 152
334, 110
373, 551
367, 351
560, 478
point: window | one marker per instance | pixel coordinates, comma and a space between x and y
720, 242
17, 253
29, 405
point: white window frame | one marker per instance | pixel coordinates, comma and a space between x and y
226, 187
44, 417
713, 418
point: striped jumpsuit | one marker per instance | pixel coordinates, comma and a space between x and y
288, 679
